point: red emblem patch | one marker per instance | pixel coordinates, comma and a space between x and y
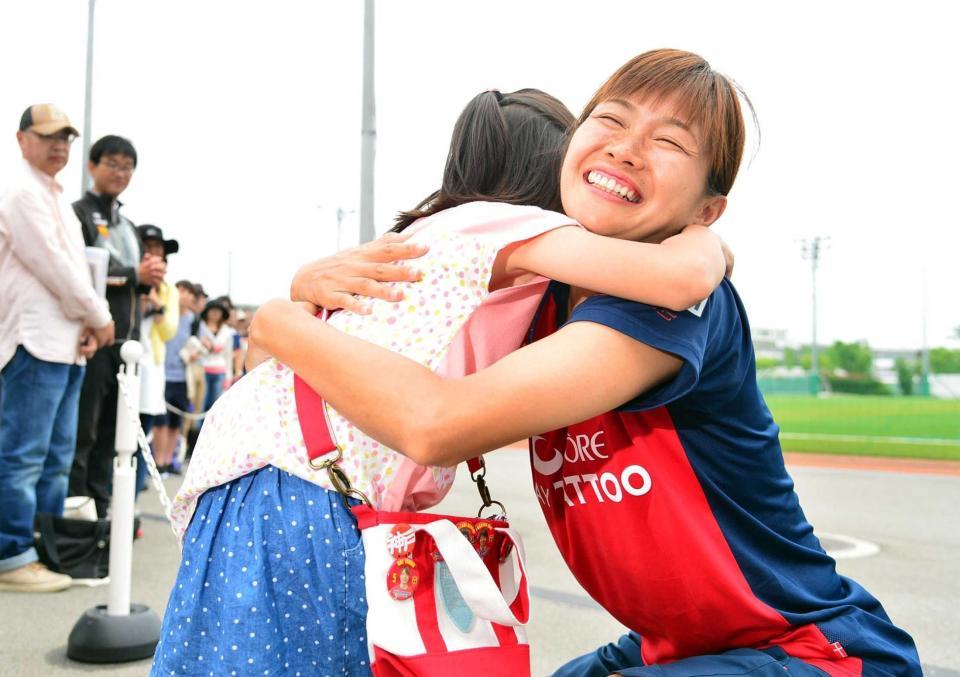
401, 540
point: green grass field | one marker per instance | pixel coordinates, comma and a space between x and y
911, 427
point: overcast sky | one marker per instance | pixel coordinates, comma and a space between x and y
246, 116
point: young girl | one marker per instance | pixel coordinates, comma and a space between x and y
678, 516
217, 338
271, 577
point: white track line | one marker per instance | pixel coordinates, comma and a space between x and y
871, 438
858, 547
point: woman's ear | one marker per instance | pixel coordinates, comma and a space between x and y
711, 210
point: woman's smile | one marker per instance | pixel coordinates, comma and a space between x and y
613, 185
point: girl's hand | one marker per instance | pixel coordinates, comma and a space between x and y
333, 281
701, 236
728, 257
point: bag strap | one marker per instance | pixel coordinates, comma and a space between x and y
323, 452
313, 420
476, 585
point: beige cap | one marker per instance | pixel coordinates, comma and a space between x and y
45, 118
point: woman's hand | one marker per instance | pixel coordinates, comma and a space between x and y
331, 282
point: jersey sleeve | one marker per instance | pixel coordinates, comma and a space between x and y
684, 334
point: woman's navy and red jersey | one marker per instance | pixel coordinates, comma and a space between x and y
676, 512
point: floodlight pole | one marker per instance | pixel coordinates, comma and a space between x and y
925, 348
811, 251
230, 274
87, 101
368, 129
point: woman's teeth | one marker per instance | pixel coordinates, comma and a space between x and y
611, 186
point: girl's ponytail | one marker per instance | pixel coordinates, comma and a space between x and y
494, 157
478, 148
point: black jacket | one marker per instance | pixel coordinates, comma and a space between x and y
123, 287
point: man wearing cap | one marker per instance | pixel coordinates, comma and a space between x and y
130, 273
51, 320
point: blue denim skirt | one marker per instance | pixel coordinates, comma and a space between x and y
270, 583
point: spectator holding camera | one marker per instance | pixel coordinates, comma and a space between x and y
51, 320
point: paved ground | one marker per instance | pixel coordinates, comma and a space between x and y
911, 517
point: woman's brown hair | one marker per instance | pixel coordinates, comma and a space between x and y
704, 98
504, 148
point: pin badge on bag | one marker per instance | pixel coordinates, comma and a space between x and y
484, 538
403, 579
468, 530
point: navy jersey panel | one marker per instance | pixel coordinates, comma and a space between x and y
731, 441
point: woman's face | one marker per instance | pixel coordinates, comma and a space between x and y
636, 171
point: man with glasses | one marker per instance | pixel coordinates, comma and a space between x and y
51, 319
130, 273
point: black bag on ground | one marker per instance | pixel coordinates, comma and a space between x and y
78, 548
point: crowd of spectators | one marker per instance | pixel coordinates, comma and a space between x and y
60, 339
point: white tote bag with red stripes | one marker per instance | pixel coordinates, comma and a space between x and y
446, 595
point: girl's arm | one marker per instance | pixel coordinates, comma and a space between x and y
677, 274
438, 421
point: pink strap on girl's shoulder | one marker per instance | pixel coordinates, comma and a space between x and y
313, 419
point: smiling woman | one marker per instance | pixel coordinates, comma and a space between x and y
680, 518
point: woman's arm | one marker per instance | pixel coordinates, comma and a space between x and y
438, 421
677, 274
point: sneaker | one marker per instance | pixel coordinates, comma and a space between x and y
33, 577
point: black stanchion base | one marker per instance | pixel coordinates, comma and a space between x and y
100, 638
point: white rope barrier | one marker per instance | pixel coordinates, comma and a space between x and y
185, 414
145, 451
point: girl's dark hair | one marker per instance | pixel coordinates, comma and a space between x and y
504, 148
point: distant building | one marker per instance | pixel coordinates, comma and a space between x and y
769, 343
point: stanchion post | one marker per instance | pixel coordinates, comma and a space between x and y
120, 631
124, 484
